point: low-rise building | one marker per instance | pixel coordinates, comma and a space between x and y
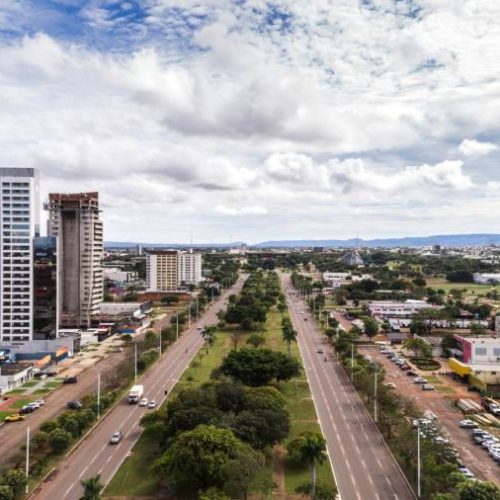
479, 363
13, 376
398, 309
486, 278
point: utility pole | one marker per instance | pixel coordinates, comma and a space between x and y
98, 395
159, 350
177, 325
352, 361
189, 315
197, 309
418, 460
135, 362
27, 457
375, 408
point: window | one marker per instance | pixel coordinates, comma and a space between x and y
496, 351
480, 351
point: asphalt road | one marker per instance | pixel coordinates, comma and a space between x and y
13, 436
474, 457
362, 464
95, 455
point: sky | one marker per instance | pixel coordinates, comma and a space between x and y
252, 120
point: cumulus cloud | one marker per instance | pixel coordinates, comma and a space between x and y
299, 111
471, 147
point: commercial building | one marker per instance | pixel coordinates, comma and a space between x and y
19, 224
117, 275
478, 362
486, 278
74, 219
396, 309
14, 376
169, 270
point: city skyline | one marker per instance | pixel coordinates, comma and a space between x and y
253, 121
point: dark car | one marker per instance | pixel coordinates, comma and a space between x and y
74, 405
411, 373
26, 409
70, 380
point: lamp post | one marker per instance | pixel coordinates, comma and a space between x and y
98, 395
419, 491
135, 362
375, 404
352, 361
177, 325
27, 457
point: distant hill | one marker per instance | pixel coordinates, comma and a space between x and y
452, 240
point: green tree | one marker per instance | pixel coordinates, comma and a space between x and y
323, 491
371, 326
419, 346
170, 299
213, 494
196, 459
256, 340
288, 333
476, 490
16, 480
6, 492
92, 488
150, 340
309, 448
59, 439
256, 367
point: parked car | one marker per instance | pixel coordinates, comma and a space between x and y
479, 432
116, 437
466, 472
468, 424
74, 405
34, 405
40, 401
411, 373
152, 404
70, 380
405, 367
420, 380
479, 438
143, 402
14, 417
320, 351
26, 409
427, 387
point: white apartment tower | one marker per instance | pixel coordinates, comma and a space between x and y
19, 224
167, 270
74, 219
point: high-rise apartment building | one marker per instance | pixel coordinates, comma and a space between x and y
74, 219
189, 270
168, 270
19, 224
162, 270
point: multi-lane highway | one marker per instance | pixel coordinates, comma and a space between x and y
95, 455
362, 464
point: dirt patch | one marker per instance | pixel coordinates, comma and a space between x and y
279, 471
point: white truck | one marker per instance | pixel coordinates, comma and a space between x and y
135, 394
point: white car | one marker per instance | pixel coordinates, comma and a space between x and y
467, 424
419, 380
466, 472
34, 405
143, 402
152, 404
40, 402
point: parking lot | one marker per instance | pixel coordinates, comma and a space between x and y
440, 401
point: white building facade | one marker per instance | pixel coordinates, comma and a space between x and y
189, 268
19, 224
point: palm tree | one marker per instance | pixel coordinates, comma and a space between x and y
309, 448
288, 333
92, 488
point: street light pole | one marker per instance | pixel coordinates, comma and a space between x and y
135, 362
160, 343
352, 361
375, 408
98, 395
177, 325
27, 457
418, 461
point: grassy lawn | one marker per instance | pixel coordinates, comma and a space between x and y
3, 414
134, 477
469, 288
17, 391
32, 383
52, 385
41, 392
19, 403
301, 408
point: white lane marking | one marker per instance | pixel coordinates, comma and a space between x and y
83, 472
68, 490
